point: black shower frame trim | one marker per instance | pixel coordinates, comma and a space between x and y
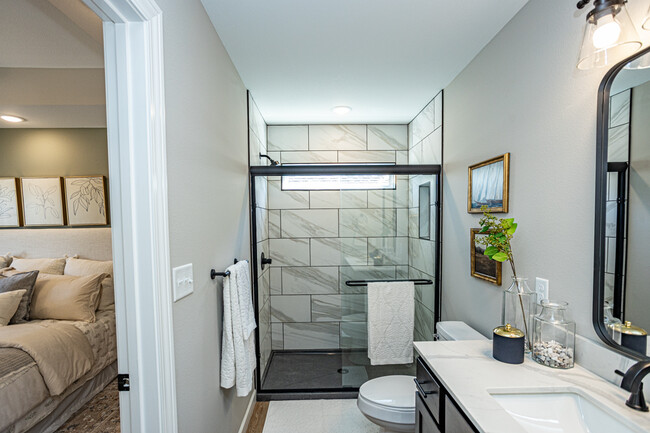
333, 169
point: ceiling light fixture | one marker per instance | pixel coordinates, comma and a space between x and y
12, 119
609, 35
341, 110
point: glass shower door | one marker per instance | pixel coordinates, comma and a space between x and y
312, 325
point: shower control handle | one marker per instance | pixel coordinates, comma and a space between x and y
265, 261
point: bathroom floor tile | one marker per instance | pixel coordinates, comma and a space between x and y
317, 416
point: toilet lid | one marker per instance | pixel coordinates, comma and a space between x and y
391, 391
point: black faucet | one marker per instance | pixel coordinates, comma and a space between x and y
632, 381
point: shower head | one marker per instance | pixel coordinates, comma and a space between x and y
273, 161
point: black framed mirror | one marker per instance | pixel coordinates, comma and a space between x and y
621, 314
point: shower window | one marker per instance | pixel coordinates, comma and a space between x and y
336, 182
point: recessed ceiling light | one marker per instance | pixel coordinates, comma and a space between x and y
341, 110
12, 119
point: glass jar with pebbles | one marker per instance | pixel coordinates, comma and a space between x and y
554, 335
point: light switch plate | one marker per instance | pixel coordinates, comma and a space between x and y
541, 287
183, 280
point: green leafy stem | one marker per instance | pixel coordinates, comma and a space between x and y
497, 240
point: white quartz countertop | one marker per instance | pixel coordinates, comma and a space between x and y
470, 374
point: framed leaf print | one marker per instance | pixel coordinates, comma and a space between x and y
10, 211
42, 201
85, 199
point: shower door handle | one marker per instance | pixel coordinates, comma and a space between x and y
265, 261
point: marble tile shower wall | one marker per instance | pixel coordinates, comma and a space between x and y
425, 147
618, 150
257, 143
320, 239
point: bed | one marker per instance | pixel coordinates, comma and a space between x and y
51, 368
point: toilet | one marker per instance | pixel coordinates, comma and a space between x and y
389, 401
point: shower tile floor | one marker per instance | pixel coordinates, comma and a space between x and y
332, 370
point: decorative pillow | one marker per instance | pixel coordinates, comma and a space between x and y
5, 261
65, 297
45, 266
79, 267
9, 302
11, 281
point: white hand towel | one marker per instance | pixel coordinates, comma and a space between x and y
391, 308
238, 342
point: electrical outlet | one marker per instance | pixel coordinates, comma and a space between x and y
541, 287
183, 280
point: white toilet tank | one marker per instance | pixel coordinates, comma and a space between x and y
455, 330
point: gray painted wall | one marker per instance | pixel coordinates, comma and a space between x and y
207, 160
53, 152
523, 94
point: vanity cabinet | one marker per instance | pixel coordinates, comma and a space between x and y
424, 422
435, 409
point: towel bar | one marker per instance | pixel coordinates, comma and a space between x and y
214, 274
361, 283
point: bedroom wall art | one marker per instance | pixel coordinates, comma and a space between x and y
488, 185
10, 212
85, 199
42, 201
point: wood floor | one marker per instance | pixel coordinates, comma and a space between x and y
256, 424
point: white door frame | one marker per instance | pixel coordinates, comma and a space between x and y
133, 60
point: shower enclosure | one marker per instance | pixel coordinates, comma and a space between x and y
319, 227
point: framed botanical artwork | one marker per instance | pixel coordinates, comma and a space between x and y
10, 211
85, 200
488, 185
482, 266
42, 201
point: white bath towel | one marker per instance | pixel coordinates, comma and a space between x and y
390, 322
238, 342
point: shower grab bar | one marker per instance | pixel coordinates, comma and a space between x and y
214, 274
361, 283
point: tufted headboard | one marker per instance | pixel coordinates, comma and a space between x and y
88, 243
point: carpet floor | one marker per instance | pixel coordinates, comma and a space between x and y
99, 415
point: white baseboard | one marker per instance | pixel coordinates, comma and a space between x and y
249, 412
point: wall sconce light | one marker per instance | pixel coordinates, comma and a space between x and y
646, 21
609, 35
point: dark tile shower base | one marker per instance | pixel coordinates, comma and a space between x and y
313, 371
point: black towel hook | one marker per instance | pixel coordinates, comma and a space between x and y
214, 274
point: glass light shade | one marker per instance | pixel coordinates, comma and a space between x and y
608, 39
646, 21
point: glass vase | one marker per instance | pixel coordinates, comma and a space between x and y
519, 307
554, 335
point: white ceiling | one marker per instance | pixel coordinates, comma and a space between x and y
384, 58
51, 64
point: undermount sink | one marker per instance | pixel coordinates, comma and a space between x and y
561, 412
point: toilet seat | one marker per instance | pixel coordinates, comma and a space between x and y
390, 399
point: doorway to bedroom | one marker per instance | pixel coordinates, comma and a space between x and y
55, 225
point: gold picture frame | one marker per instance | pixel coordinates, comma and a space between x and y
86, 200
487, 181
481, 265
42, 201
11, 210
